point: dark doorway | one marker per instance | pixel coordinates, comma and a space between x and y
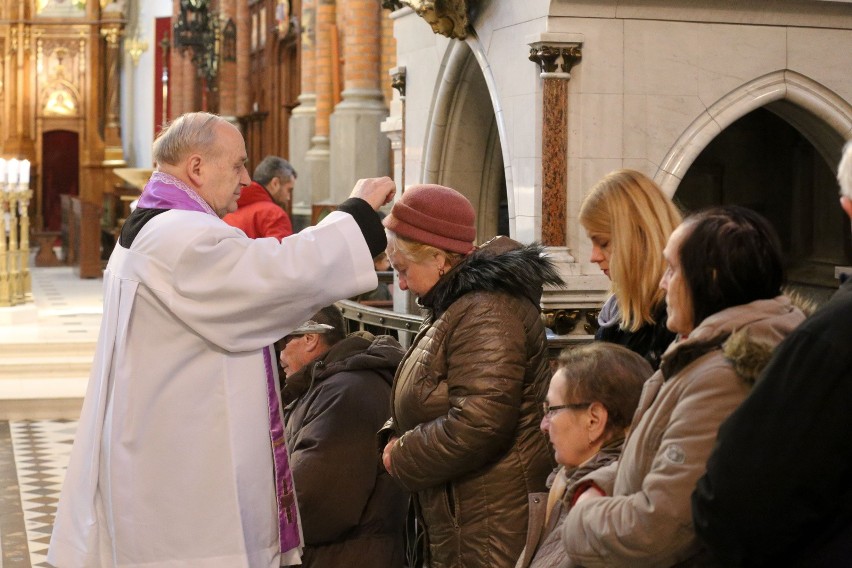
763, 163
60, 173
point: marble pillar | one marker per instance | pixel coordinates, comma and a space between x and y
569, 312
555, 62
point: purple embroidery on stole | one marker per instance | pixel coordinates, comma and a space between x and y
288, 519
164, 191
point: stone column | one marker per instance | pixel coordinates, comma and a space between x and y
358, 148
569, 312
555, 62
303, 119
317, 157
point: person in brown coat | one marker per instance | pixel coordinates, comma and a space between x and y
466, 402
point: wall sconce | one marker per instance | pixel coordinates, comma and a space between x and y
135, 48
196, 30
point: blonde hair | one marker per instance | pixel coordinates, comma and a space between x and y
416, 252
190, 132
639, 218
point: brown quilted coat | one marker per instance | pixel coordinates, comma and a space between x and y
466, 401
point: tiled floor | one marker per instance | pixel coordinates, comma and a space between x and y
61, 322
33, 459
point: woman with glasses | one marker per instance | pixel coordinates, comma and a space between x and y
465, 403
723, 291
628, 219
590, 402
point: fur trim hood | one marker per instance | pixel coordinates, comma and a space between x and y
745, 334
499, 265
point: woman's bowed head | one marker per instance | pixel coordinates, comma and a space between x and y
628, 218
722, 257
591, 399
430, 229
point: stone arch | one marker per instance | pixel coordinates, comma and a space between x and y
823, 118
465, 146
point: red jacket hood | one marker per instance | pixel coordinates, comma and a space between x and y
254, 193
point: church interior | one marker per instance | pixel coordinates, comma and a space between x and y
745, 105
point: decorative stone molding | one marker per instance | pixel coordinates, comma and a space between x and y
446, 17
555, 60
565, 321
398, 80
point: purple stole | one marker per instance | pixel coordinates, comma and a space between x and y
164, 191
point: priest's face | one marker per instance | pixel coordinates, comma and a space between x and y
226, 171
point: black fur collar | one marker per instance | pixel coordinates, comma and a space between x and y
500, 265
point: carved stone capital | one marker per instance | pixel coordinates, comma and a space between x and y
566, 321
556, 59
447, 17
398, 80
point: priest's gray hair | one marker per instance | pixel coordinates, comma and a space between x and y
844, 171
190, 132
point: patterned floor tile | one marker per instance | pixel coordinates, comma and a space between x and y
41, 451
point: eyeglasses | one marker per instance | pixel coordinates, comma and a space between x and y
549, 411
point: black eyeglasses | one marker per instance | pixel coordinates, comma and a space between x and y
550, 410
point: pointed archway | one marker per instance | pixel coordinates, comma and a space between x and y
463, 148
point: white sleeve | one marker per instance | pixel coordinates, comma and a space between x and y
243, 294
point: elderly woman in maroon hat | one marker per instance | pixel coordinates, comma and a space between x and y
466, 402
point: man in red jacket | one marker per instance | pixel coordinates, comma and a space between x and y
260, 209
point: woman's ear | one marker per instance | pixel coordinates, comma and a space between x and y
597, 421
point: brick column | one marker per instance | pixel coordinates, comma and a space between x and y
303, 119
243, 22
227, 79
317, 157
358, 147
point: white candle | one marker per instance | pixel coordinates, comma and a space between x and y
2, 170
12, 171
25, 172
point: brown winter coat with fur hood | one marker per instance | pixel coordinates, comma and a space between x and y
646, 519
467, 404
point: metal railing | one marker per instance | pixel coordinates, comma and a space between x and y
404, 327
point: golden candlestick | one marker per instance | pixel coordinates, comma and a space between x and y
24, 263
5, 287
14, 275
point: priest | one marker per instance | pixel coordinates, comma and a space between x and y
179, 458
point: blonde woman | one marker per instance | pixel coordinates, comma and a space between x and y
466, 400
629, 219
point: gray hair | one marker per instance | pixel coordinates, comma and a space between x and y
190, 132
273, 167
844, 171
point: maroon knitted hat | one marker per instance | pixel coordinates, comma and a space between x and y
434, 215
